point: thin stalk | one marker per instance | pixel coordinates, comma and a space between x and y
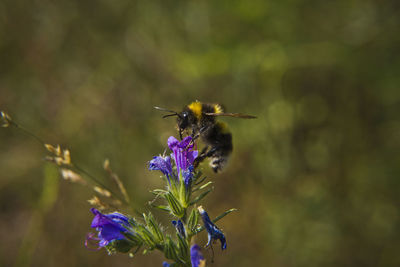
79, 169
96, 181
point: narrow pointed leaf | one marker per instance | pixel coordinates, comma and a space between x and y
183, 247
174, 205
202, 187
161, 207
193, 221
201, 196
153, 227
182, 193
159, 191
170, 249
201, 180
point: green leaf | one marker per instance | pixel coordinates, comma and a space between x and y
135, 239
202, 187
170, 249
222, 215
183, 247
159, 191
193, 221
161, 207
201, 180
153, 227
183, 194
147, 236
201, 196
174, 205
172, 188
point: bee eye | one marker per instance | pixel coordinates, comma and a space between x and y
183, 120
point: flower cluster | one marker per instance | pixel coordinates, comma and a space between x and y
184, 188
119, 233
184, 157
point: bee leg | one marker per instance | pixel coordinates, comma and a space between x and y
180, 133
197, 161
204, 154
201, 157
203, 151
197, 135
211, 152
194, 137
216, 164
203, 129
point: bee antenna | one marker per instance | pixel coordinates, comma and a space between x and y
169, 115
174, 113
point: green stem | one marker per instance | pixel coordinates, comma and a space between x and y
25, 131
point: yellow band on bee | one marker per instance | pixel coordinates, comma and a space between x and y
196, 108
218, 109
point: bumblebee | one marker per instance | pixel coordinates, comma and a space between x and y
200, 118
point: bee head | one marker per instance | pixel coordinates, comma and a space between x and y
183, 120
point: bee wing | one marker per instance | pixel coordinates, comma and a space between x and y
235, 115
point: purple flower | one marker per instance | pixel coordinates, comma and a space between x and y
179, 227
197, 257
213, 231
162, 164
110, 227
188, 175
183, 153
166, 264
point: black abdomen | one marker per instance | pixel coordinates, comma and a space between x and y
220, 142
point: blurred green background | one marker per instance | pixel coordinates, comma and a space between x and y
315, 177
